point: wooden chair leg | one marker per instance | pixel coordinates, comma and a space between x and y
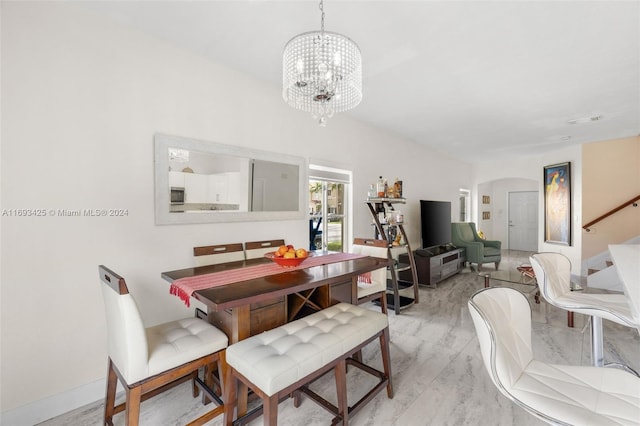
132, 412
383, 303
341, 391
242, 398
222, 370
270, 410
297, 398
570, 319
386, 360
208, 381
110, 397
230, 397
195, 391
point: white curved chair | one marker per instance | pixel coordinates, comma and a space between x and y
557, 394
553, 273
374, 285
148, 361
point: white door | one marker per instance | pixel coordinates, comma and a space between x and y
523, 221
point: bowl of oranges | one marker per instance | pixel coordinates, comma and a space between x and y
288, 256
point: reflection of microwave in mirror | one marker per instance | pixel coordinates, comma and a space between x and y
177, 195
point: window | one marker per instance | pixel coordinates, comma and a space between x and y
465, 203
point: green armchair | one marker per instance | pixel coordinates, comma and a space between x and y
477, 250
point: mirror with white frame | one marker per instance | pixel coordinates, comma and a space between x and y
204, 182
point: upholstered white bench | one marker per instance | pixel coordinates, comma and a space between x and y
278, 362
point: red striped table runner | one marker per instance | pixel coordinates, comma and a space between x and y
184, 287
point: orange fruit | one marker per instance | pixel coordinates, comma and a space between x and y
289, 255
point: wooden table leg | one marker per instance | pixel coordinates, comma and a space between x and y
241, 322
486, 281
570, 319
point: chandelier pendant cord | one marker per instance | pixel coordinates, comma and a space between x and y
321, 7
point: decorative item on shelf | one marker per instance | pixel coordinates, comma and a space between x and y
392, 233
380, 187
382, 218
372, 191
391, 191
397, 188
322, 73
390, 219
187, 170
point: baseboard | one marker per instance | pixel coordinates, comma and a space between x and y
53, 406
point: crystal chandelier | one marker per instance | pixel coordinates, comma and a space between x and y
322, 73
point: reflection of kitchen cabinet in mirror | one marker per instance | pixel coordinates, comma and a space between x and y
210, 182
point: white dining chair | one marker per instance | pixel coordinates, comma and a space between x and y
556, 394
148, 361
255, 249
553, 274
372, 286
215, 254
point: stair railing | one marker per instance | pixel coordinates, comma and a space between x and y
633, 202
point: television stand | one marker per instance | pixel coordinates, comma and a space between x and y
434, 264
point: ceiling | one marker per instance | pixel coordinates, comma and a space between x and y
474, 80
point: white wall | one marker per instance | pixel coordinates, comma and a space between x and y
498, 190
81, 100
531, 168
611, 177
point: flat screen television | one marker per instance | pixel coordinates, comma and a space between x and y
435, 219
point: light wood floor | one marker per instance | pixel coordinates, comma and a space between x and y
438, 374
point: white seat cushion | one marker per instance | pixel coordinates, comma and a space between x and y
613, 307
580, 395
378, 283
280, 357
177, 342
553, 273
378, 278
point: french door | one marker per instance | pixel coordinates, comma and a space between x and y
328, 208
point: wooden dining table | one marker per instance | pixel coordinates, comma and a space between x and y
248, 307
245, 308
